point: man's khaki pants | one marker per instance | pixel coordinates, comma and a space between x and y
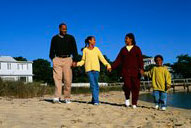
62, 72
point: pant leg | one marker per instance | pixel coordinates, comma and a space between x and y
96, 87
135, 89
156, 96
67, 73
127, 87
57, 75
163, 99
91, 80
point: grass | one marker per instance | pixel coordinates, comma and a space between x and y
83, 90
21, 90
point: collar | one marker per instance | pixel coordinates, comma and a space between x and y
61, 36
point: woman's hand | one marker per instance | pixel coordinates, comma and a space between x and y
142, 72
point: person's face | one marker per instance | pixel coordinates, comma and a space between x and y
63, 30
92, 41
128, 41
159, 61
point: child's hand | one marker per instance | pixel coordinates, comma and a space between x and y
109, 69
168, 87
74, 64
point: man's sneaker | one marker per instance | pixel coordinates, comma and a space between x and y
96, 103
156, 106
67, 101
163, 108
56, 100
134, 106
127, 103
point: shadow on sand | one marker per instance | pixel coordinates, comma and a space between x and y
102, 102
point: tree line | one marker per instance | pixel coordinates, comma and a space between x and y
43, 72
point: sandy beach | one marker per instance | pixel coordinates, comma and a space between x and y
111, 113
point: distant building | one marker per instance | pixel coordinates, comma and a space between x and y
148, 61
13, 70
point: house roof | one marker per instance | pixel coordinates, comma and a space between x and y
7, 58
11, 59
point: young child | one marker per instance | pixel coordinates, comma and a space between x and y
161, 82
91, 57
131, 60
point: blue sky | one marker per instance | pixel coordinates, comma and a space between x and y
160, 26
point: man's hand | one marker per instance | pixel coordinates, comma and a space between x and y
74, 64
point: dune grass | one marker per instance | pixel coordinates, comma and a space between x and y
21, 90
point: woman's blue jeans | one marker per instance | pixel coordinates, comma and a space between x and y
93, 79
160, 98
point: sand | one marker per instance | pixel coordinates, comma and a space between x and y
111, 113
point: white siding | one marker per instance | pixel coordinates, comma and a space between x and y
11, 69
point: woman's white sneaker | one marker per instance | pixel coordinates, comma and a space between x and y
134, 106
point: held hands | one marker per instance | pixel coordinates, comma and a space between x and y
142, 72
74, 64
109, 69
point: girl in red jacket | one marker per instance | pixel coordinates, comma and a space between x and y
131, 60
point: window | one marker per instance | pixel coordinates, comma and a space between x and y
23, 79
18, 66
22, 66
9, 66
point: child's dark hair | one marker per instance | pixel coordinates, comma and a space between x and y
87, 41
158, 56
131, 36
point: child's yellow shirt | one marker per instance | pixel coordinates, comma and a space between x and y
91, 59
161, 78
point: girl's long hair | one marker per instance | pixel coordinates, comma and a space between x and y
87, 41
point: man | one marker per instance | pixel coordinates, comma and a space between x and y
62, 47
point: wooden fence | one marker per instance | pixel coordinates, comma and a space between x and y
146, 85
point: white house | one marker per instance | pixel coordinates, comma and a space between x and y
148, 61
10, 69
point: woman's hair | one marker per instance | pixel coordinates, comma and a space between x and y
87, 41
158, 56
131, 36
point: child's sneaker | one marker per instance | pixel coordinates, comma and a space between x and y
163, 108
134, 106
127, 103
96, 103
56, 100
156, 106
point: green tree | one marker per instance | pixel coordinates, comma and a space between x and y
183, 66
20, 58
145, 56
42, 71
79, 74
149, 67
